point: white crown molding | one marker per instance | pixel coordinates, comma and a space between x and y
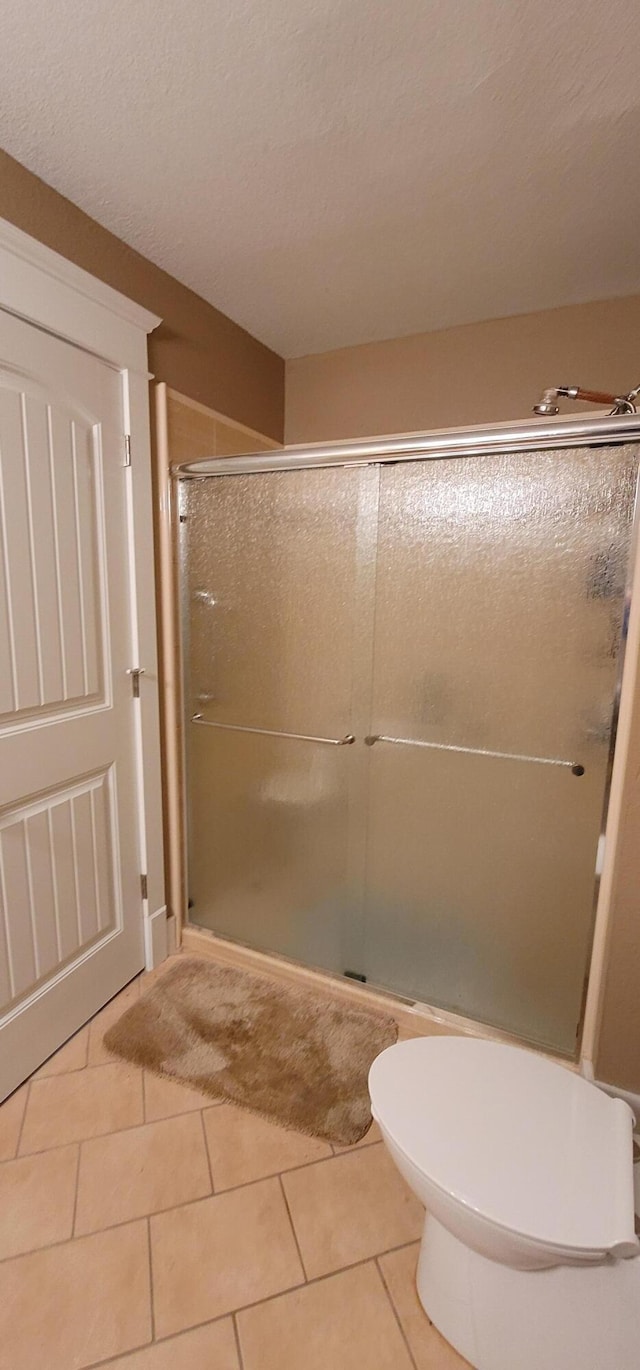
54, 264
46, 288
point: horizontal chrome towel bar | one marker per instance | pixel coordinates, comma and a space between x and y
474, 751
274, 732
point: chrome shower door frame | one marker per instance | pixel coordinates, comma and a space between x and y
529, 437
533, 435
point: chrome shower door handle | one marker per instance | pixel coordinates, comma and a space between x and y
345, 741
573, 766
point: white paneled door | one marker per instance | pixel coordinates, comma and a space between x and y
71, 931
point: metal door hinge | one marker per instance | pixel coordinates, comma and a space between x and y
135, 672
127, 449
143, 887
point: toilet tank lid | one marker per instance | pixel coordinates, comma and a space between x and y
525, 1142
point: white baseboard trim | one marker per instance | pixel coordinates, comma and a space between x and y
172, 934
156, 942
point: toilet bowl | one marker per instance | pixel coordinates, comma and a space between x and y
526, 1172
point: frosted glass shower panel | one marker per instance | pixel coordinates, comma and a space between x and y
500, 611
480, 886
268, 612
268, 842
500, 594
268, 571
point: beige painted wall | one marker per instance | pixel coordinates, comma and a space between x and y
196, 350
487, 372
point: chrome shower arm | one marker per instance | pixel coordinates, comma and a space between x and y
622, 404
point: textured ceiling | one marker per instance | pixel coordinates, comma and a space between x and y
330, 172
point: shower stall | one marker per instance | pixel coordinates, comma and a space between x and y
402, 664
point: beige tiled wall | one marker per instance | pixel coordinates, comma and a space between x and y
196, 433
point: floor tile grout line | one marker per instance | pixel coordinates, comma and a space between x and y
293, 1229
76, 1141
395, 1312
344, 1149
71, 1141
258, 1303
152, 1305
125, 1222
133, 1218
236, 1333
57, 1074
75, 1197
303, 1165
320, 1279
121, 1356
272, 1175
232, 1189
59, 1146
292, 1169
234, 1313
97, 1065
162, 1075
79, 1237
148, 1122
72, 1070
291, 1289
206, 1149
22, 1122
129, 1127
189, 1203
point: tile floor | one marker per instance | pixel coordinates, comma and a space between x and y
145, 1227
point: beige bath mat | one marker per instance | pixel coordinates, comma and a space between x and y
296, 1057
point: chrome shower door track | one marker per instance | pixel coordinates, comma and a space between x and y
532, 435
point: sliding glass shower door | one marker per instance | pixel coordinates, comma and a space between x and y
268, 578
499, 609
400, 694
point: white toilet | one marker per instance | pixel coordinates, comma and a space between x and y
526, 1172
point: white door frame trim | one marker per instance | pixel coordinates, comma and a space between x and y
48, 291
